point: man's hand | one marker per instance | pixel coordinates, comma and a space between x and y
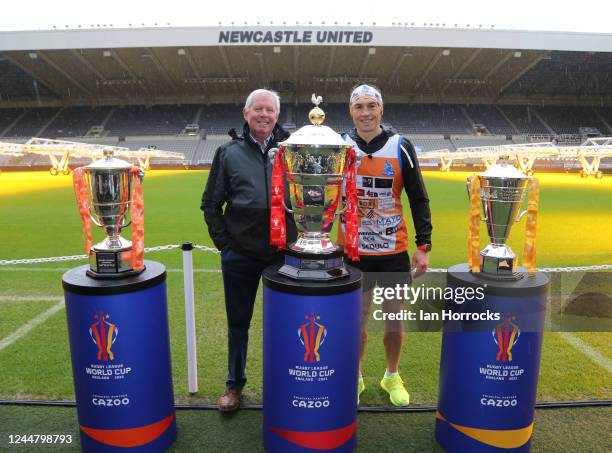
420, 262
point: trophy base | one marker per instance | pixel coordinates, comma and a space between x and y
498, 262
313, 266
111, 264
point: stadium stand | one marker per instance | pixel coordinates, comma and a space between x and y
449, 126
156, 120
7, 118
490, 116
427, 118
218, 119
465, 141
206, 149
76, 121
424, 143
605, 116
569, 120
414, 119
33, 122
184, 145
524, 119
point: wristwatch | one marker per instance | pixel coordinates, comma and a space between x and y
424, 247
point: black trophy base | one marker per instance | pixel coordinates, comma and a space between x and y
272, 278
313, 267
526, 285
111, 265
78, 280
499, 269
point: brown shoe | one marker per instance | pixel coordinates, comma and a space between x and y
230, 401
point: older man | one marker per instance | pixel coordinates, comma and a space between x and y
240, 179
387, 167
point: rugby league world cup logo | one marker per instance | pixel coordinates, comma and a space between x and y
103, 333
312, 335
506, 334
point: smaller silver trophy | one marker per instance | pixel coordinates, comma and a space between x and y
502, 190
109, 186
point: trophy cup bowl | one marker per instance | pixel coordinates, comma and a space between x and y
315, 175
502, 190
314, 158
109, 184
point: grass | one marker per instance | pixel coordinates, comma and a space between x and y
558, 430
38, 218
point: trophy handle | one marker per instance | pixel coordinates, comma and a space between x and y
343, 210
520, 216
468, 182
290, 211
486, 213
93, 219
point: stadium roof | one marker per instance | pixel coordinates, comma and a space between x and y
398, 36
222, 64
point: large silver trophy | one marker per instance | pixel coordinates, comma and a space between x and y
109, 184
314, 157
502, 191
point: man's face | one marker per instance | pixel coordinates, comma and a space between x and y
367, 114
261, 116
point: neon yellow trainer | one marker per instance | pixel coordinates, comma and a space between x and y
360, 387
394, 386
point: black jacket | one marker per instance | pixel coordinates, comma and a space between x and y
240, 178
413, 181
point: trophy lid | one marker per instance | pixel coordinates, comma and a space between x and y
316, 134
109, 163
503, 169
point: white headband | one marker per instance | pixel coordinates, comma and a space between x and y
365, 91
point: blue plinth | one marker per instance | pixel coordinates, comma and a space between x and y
310, 363
120, 349
489, 369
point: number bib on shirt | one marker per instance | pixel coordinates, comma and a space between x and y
382, 229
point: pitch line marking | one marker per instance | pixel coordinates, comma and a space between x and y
30, 298
64, 269
31, 324
587, 350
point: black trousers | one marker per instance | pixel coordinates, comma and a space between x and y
241, 276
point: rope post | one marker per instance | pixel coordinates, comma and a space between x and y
192, 361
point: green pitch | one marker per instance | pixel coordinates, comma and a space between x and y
38, 218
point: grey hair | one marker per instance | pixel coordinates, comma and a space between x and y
251, 97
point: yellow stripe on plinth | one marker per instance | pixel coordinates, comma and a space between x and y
500, 438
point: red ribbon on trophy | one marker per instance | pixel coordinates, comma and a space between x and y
278, 227
137, 257
80, 193
351, 243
